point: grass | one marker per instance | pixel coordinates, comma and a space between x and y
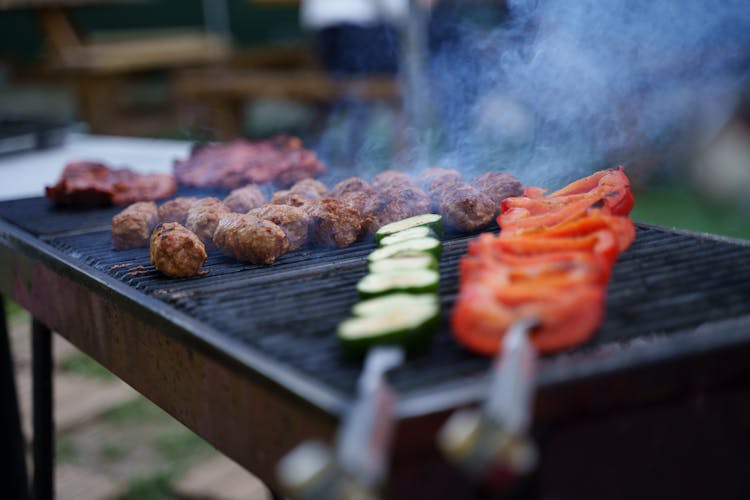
65, 449
135, 411
83, 365
153, 487
678, 206
177, 444
112, 451
12, 309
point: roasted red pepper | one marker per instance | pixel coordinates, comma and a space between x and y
551, 261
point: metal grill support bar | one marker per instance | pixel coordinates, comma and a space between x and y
14, 483
44, 424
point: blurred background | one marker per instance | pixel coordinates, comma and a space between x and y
546, 91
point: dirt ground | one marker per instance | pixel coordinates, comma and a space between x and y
112, 443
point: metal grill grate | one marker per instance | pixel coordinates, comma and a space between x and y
666, 283
39, 216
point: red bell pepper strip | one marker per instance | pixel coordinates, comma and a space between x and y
551, 261
479, 320
614, 184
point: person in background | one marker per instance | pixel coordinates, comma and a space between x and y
356, 37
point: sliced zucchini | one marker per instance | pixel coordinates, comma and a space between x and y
427, 245
404, 262
411, 329
407, 234
416, 281
381, 306
433, 221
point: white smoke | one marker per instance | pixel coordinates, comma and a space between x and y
563, 87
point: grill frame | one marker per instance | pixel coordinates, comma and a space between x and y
559, 371
254, 410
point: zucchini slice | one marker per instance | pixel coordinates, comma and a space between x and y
433, 221
411, 329
426, 244
381, 306
404, 262
407, 234
416, 281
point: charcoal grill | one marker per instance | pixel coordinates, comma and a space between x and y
247, 357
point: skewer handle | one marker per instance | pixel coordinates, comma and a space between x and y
492, 443
358, 466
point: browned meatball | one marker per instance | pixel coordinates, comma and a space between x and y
435, 176
334, 222
466, 208
309, 188
394, 203
391, 178
132, 227
358, 199
498, 186
349, 186
438, 190
177, 251
286, 197
248, 238
176, 210
203, 217
243, 199
293, 220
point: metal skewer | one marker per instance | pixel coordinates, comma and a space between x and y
358, 466
492, 443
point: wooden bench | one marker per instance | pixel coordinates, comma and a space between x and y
99, 69
222, 92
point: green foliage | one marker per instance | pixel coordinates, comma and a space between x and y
677, 206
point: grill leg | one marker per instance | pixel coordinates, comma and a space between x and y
13, 478
44, 425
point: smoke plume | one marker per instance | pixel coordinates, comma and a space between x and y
563, 87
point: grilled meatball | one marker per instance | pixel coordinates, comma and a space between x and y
334, 222
243, 199
132, 227
394, 203
248, 238
358, 199
203, 217
354, 191
391, 178
438, 189
176, 210
177, 251
349, 186
432, 177
498, 186
286, 197
294, 221
310, 188
466, 208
